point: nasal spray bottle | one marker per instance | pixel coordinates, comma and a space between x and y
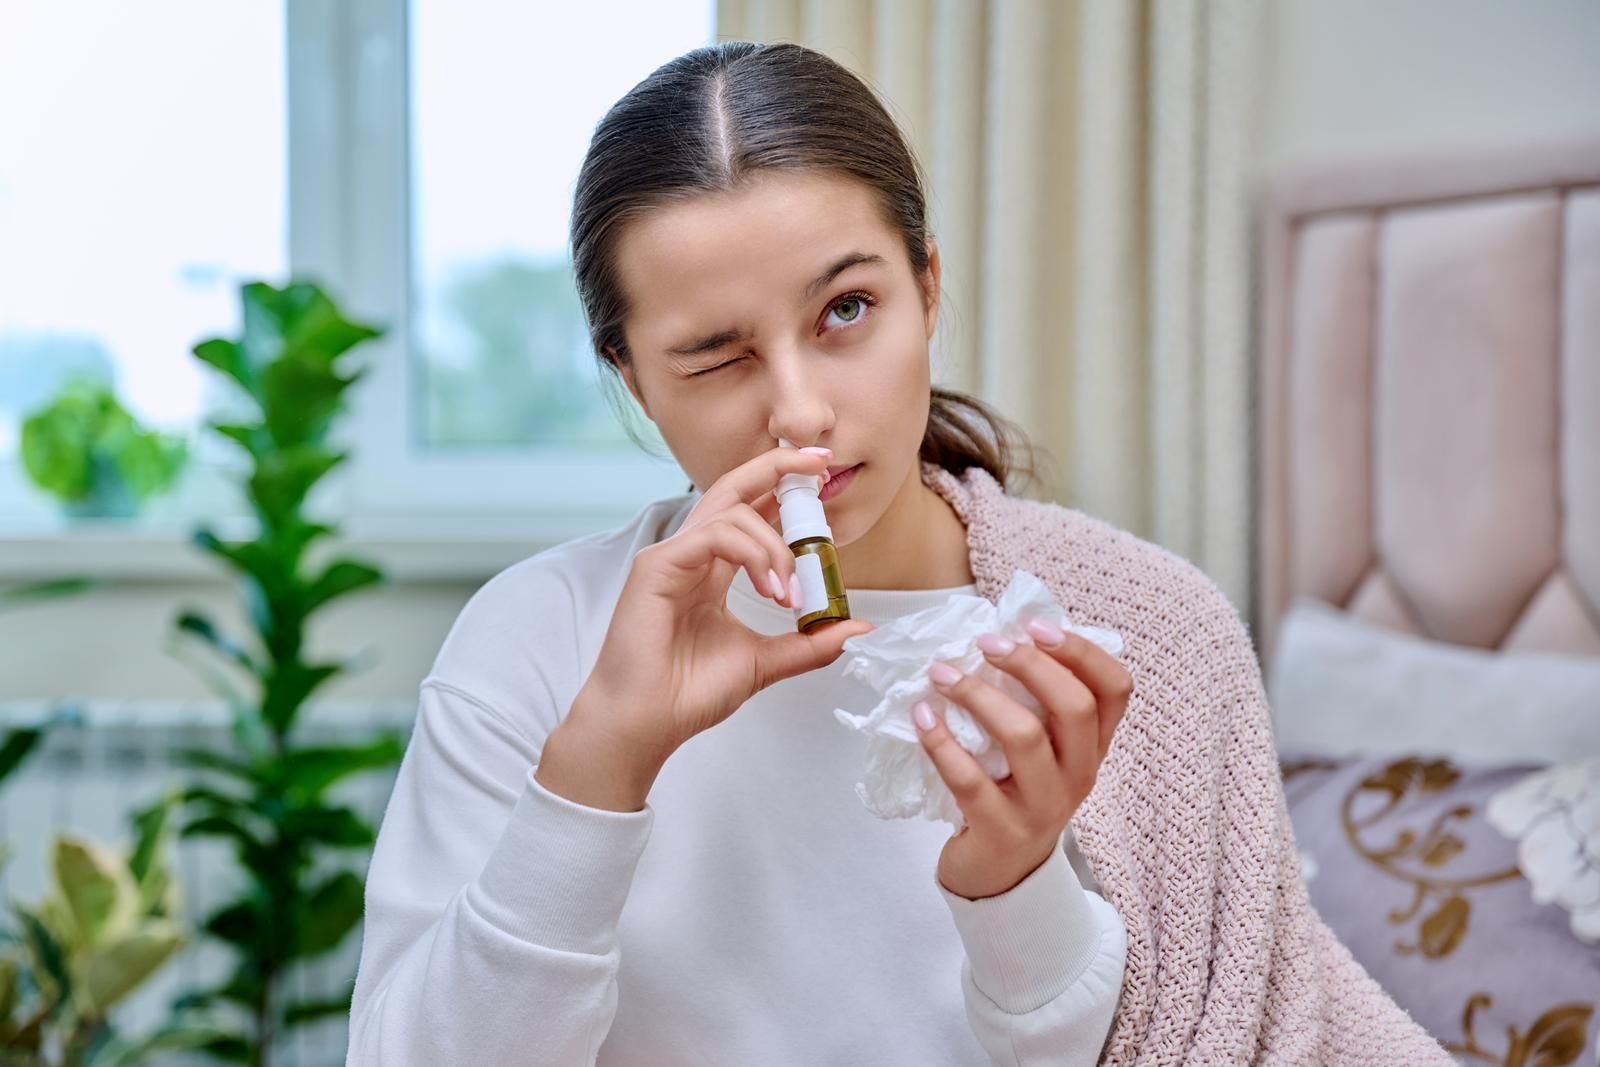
816, 561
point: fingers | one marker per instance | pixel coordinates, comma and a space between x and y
1070, 706
1096, 668
781, 555
1021, 734
786, 655
753, 481
724, 541
978, 795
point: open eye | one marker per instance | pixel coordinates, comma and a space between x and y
860, 302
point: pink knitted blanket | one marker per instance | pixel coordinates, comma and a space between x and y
1187, 828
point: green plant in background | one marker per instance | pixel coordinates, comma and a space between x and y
85, 447
108, 923
269, 796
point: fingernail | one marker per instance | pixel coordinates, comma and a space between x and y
944, 674
776, 583
995, 645
794, 590
1046, 632
817, 450
922, 715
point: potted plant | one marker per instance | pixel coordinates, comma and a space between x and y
87, 449
108, 923
269, 797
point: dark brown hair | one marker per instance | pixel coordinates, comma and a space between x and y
711, 118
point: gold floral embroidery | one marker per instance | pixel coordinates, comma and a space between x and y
1558, 1037
1409, 854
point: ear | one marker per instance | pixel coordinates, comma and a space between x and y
625, 372
930, 288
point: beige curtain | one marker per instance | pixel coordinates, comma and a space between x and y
1087, 163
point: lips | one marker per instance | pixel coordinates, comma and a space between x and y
837, 470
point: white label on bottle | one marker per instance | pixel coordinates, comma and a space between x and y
813, 590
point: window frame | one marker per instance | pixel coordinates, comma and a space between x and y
349, 222
350, 191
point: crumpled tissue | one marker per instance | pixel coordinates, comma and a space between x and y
900, 780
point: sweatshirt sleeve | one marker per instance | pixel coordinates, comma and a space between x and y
1043, 970
492, 904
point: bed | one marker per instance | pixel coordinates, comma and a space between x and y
1428, 577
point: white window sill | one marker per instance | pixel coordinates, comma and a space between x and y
468, 549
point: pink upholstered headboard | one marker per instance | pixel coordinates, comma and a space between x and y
1430, 396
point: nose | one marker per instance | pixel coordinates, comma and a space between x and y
798, 408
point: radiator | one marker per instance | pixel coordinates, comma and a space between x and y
87, 778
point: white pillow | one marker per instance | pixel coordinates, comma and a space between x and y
1342, 687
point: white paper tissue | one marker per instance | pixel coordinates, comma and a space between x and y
900, 781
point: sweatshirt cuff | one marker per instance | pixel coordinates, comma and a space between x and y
1031, 943
561, 871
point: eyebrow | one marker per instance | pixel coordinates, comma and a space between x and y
717, 340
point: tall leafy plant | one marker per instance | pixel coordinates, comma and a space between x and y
269, 796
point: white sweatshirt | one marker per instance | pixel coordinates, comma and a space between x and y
754, 913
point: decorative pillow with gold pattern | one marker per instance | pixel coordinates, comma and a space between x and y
1406, 870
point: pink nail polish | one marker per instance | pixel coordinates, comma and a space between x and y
922, 715
794, 590
775, 584
1046, 632
995, 645
944, 674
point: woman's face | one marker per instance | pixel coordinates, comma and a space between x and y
785, 309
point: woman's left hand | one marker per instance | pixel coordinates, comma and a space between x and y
1014, 824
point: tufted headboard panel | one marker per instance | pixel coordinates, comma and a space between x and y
1430, 396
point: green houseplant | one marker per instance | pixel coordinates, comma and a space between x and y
87, 449
269, 795
108, 923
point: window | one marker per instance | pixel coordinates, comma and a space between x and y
416, 158
142, 175
487, 406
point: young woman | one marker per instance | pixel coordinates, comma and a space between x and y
626, 830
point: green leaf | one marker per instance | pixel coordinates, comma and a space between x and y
16, 747
304, 1011
44, 590
171, 1038
311, 769
282, 480
8, 992
48, 956
240, 923
335, 827
223, 826
194, 623
341, 577
288, 688
149, 829
302, 399
101, 896
230, 359
328, 914
115, 969
205, 759
85, 436
234, 1048
249, 436
151, 462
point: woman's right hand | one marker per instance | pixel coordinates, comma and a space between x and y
675, 661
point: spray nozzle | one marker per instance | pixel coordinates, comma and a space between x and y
799, 509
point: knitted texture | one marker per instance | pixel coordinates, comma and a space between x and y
1187, 828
